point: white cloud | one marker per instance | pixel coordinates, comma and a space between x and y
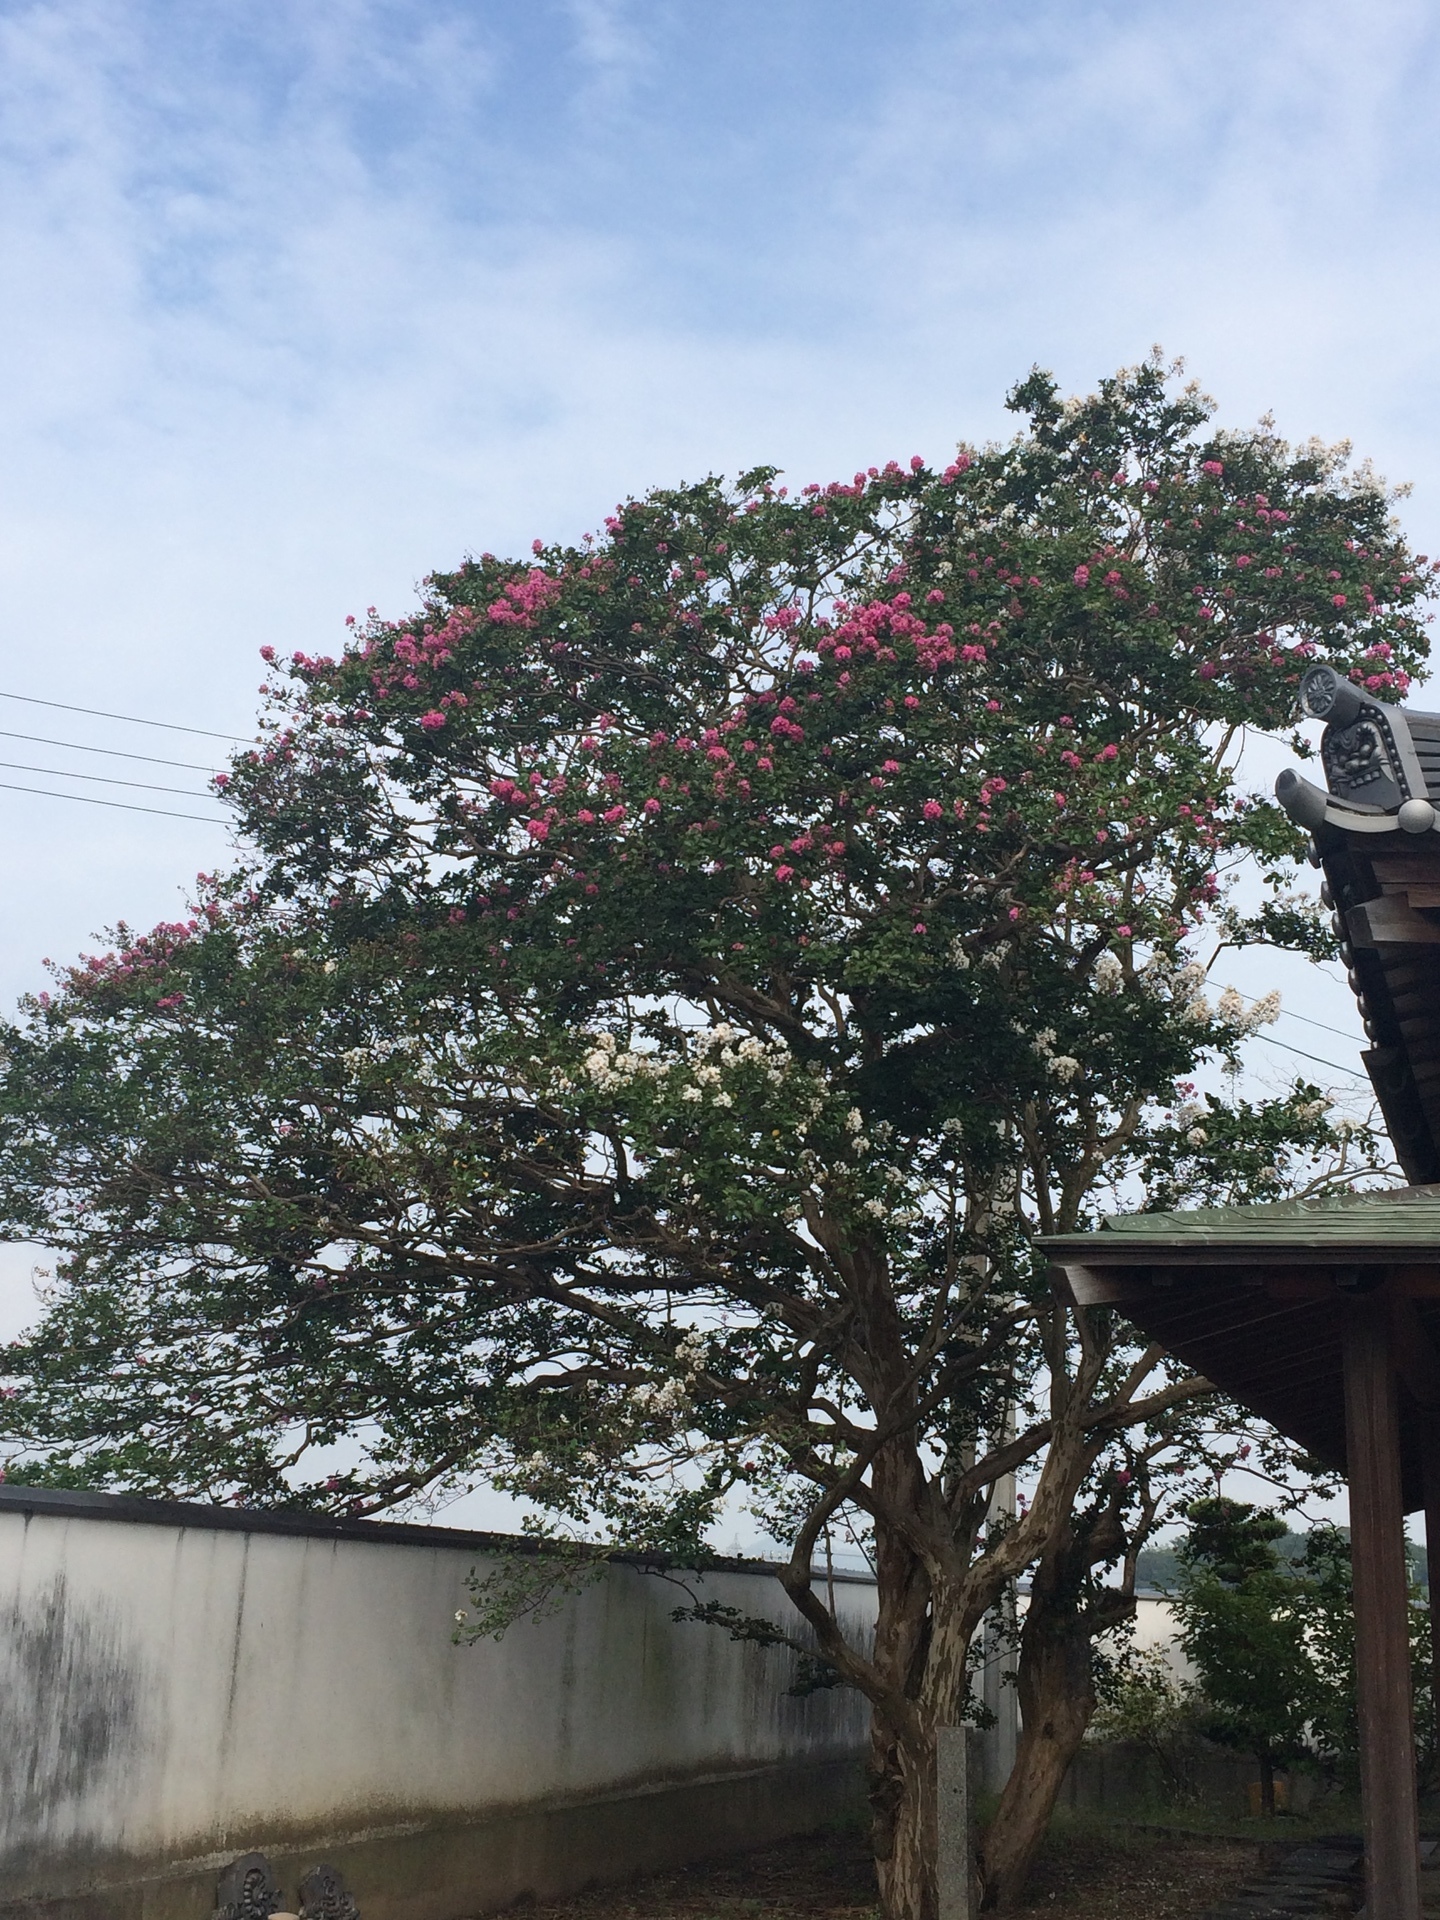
613, 41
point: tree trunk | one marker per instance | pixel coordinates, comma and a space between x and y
904, 1830
908, 1639
1057, 1699
1267, 1786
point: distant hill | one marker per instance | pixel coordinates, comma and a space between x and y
1158, 1567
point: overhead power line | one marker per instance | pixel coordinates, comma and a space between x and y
126, 806
103, 779
111, 753
131, 719
1323, 1025
1334, 1065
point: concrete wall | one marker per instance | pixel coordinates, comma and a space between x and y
1121, 1777
181, 1684
1156, 1626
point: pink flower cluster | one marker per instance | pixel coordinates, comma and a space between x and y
865, 631
149, 953
524, 599
413, 656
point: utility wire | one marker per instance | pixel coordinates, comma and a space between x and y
134, 720
1323, 1025
111, 753
103, 779
126, 806
1334, 1065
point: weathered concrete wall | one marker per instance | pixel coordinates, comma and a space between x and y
179, 1685
1117, 1777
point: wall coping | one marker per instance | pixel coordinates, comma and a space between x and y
67, 1503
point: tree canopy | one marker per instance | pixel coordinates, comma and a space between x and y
668, 985
1271, 1633
1244, 1624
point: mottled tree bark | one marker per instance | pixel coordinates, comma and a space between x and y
903, 1804
1057, 1700
1056, 1680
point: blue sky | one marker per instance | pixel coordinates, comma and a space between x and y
303, 298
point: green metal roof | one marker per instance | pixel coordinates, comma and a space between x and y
1392, 1217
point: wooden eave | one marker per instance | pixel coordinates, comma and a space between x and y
1265, 1317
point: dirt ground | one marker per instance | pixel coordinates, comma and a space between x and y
1084, 1873
1092, 1875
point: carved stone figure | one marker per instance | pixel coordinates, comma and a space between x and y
247, 1890
325, 1896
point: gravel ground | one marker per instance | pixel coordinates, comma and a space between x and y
1084, 1873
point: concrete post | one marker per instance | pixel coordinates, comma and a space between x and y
955, 1849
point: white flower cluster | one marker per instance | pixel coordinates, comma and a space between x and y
733, 1046
1182, 985
1185, 985
407, 1046
608, 1065
1233, 1011
691, 1353
699, 1075
673, 1395
670, 1397
1108, 972
1064, 1066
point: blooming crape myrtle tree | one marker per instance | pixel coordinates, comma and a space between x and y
674, 982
